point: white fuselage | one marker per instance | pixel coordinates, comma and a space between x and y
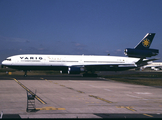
59, 62
67, 60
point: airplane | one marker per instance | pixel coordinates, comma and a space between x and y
75, 64
153, 65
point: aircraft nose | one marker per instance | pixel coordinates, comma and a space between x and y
4, 63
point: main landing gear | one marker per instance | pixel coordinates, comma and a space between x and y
91, 74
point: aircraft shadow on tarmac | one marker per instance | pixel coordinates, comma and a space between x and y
49, 77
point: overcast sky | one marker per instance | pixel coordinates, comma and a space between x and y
90, 27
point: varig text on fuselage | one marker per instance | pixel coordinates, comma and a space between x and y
31, 58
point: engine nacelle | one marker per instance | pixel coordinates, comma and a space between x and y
140, 53
75, 70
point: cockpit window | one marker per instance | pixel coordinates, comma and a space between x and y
8, 59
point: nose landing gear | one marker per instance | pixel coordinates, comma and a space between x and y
25, 73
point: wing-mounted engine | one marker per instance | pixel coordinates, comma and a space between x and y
141, 53
73, 70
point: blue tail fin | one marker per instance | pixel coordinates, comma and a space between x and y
145, 42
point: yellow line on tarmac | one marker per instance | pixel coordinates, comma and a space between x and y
148, 115
80, 91
50, 108
47, 80
100, 99
63, 85
29, 91
127, 107
130, 108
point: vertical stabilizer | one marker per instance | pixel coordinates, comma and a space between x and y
145, 42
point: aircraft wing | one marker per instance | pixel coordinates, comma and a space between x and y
109, 67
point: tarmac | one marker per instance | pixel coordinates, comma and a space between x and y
74, 96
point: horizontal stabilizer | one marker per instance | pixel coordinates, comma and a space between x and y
142, 62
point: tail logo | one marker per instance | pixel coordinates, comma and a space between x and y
146, 43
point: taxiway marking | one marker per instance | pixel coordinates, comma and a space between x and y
38, 98
136, 97
127, 107
64, 86
143, 93
100, 98
148, 115
107, 89
50, 108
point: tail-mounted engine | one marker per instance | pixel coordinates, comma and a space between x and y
140, 53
